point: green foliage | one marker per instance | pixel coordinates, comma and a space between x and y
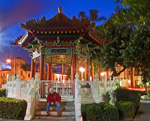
109, 54
126, 109
101, 112
136, 11
83, 110
128, 35
81, 15
123, 94
94, 16
12, 108
148, 94
2, 92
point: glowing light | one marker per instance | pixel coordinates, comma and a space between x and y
8, 60
81, 69
129, 81
102, 74
120, 83
137, 89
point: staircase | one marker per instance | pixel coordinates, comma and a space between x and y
67, 111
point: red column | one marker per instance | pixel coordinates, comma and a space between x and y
73, 72
32, 68
49, 75
42, 90
92, 70
73, 66
49, 71
87, 70
42, 67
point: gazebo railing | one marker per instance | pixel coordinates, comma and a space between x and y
64, 89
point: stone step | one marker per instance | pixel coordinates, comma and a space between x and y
62, 99
63, 108
67, 111
62, 103
55, 118
54, 113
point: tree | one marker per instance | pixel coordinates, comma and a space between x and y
137, 11
94, 16
137, 51
68, 73
54, 70
81, 15
128, 34
108, 55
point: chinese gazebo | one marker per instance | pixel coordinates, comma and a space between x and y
59, 40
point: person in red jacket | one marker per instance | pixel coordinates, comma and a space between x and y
53, 99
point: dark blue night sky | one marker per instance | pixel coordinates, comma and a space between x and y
14, 12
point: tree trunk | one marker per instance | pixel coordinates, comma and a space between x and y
131, 70
145, 86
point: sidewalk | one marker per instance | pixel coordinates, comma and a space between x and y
143, 112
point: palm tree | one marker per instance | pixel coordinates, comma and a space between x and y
81, 15
94, 16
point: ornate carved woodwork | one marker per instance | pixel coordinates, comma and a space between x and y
58, 51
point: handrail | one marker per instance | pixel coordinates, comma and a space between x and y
27, 90
98, 89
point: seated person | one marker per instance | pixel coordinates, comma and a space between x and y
53, 99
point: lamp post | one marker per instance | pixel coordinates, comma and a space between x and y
82, 70
102, 74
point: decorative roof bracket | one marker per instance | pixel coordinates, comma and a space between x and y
58, 43
77, 41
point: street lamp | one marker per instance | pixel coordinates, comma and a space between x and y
9, 61
82, 70
102, 74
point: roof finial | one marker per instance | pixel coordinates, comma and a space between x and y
60, 9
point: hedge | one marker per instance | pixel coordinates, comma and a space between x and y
2, 92
148, 94
102, 112
83, 110
123, 94
126, 109
12, 108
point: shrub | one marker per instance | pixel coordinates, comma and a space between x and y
12, 108
126, 109
2, 92
101, 112
83, 110
148, 94
123, 94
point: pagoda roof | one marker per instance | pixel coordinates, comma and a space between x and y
60, 24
